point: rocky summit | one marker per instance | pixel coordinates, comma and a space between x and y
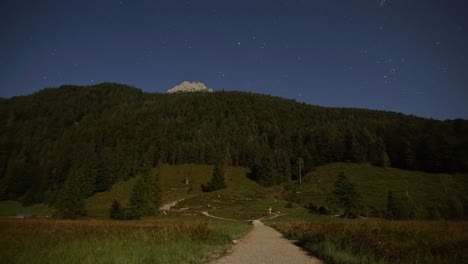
190, 87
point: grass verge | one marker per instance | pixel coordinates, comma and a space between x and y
380, 241
101, 241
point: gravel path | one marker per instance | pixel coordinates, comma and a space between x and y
266, 245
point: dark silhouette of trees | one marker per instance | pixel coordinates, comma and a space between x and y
107, 132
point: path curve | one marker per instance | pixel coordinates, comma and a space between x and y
266, 245
212, 216
168, 206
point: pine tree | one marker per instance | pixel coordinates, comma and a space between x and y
399, 207
392, 206
70, 203
265, 173
346, 195
379, 156
217, 181
146, 195
116, 210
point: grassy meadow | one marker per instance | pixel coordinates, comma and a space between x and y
184, 235
374, 183
105, 241
344, 241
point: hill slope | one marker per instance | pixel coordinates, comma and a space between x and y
99, 134
244, 198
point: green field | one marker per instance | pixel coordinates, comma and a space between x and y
374, 183
105, 241
244, 198
344, 241
185, 235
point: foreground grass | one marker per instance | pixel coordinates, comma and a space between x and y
381, 241
100, 241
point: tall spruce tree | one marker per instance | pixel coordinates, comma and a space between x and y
70, 203
116, 210
346, 196
217, 181
146, 195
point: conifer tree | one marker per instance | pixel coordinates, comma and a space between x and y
217, 181
392, 206
116, 210
146, 195
346, 196
70, 203
379, 156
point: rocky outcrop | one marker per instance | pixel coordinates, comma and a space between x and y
190, 87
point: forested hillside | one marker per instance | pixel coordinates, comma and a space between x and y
89, 137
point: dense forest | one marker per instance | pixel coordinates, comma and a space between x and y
89, 137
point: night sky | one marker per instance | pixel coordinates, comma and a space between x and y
408, 56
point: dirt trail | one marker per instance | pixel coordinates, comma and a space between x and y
265, 245
212, 216
168, 206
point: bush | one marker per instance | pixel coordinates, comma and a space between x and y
323, 210
312, 208
116, 210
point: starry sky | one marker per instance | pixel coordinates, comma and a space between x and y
408, 56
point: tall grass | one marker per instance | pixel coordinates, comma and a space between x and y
99, 241
381, 241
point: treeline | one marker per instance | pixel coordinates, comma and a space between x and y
93, 136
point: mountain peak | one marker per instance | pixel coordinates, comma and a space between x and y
190, 87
